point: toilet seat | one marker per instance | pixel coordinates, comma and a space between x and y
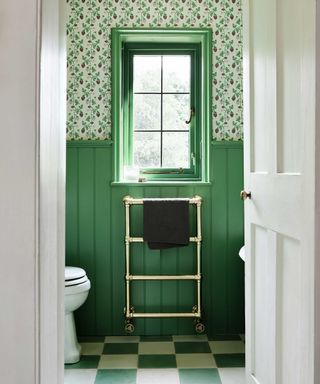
74, 276
77, 288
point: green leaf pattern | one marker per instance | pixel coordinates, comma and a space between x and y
89, 26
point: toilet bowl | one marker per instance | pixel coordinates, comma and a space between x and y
76, 291
242, 253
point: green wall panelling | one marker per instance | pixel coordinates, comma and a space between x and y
95, 241
168, 265
103, 224
218, 284
72, 207
116, 302
86, 225
235, 265
227, 238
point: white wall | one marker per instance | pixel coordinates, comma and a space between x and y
31, 192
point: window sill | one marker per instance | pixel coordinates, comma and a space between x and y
159, 183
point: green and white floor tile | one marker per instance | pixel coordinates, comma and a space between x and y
159, 360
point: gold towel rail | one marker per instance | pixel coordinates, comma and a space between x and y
129, 310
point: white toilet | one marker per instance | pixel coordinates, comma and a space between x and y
242, 253
76, 291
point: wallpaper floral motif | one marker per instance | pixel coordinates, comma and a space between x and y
89, 58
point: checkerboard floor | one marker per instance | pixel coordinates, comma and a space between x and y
161, 359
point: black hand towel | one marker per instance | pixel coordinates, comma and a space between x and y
166, 223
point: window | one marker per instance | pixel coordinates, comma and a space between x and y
161, 103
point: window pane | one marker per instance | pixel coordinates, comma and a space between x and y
176, 73
146, 149
176, 110
175, 150
146, 73
146, 112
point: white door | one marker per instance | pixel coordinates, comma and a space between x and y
279, 97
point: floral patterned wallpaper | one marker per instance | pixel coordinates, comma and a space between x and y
89, 58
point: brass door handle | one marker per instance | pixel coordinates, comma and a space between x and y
245, 195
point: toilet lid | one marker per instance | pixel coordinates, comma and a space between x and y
74, 276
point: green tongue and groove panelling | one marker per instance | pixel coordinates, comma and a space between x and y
95, 241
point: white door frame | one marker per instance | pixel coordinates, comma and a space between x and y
317, 204
52, 170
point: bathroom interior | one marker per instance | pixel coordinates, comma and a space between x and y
155, 349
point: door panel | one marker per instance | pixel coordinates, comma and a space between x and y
289, 78
288, 294
262, 304
275, 202
262, 83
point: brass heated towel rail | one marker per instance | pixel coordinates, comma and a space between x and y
129, 310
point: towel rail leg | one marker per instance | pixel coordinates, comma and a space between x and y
199, 326
128, 323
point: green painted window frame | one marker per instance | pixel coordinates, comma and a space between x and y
125, 42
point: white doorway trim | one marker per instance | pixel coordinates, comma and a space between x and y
52, 169
317, 203
32, 197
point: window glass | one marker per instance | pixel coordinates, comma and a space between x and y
147, 149
164, 111
146, 73
175, 150
176, 73
176, 110
146, 112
